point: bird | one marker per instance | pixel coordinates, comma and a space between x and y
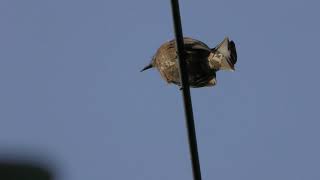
202, 62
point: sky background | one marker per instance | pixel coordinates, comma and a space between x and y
71, 92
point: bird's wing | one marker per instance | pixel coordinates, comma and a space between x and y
193, 45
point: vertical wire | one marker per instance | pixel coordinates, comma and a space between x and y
184, 79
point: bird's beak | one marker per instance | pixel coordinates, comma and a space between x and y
147, 67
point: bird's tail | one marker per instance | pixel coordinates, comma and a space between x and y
147, 67
228, 50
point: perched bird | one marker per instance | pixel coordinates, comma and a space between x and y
202, 61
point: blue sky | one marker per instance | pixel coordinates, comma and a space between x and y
71, 90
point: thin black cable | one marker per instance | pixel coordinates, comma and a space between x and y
186, 90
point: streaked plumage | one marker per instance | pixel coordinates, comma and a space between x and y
202, 62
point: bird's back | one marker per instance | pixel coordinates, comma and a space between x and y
165, 60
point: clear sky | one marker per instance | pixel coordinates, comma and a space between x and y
71, 89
